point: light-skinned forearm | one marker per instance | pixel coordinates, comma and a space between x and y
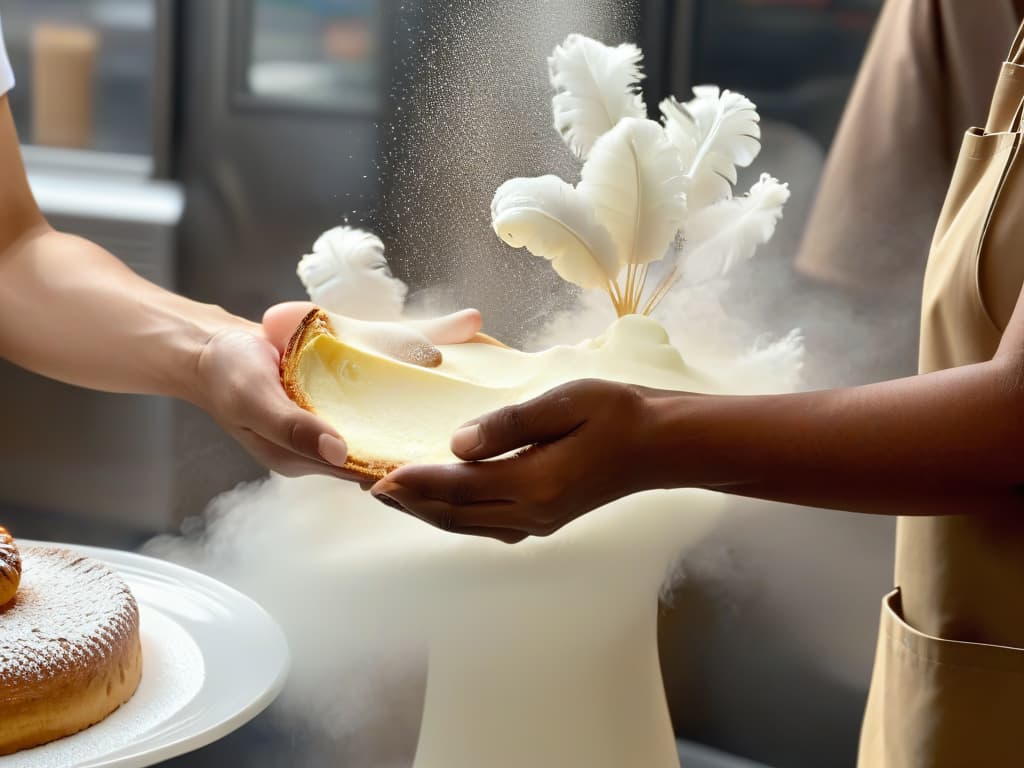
71, 311
942, 443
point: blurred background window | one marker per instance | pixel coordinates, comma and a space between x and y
85, 71
314, 53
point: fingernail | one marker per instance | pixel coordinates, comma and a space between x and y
332, 450
467, 439
383, 498
382, 492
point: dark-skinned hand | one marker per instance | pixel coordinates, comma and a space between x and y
585, 445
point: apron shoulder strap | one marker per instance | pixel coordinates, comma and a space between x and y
1017, 49
1009, 91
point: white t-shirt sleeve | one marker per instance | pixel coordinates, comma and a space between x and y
6, 73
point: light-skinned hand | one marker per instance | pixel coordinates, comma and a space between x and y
240, 385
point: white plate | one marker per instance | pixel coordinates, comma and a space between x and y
212, 660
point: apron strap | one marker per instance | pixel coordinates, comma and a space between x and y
1017, 49
999, 107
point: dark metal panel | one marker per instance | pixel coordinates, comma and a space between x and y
163, 87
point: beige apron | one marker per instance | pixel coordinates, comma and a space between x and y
948, 683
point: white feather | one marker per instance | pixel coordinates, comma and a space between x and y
552, 220
597, 85
633, 181
681, 129
731, 230
714, 133
332, 254
348, 274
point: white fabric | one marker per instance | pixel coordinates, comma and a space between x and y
6, 73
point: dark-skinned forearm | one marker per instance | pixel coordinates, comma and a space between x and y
942, 443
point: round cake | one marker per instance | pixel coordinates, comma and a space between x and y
69, 648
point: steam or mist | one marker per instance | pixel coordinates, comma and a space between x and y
301, 548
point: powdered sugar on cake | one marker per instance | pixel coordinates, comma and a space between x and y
69, 612
174, 676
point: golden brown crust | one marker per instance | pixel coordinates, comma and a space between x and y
315, 324
10, 568
370, 471
65, 663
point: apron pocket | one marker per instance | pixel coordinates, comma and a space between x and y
938, 703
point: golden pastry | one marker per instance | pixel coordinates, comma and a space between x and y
69, 648
10, 567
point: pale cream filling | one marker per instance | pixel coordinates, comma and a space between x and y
399, 413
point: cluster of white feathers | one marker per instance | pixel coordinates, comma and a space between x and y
646, 189
347, 273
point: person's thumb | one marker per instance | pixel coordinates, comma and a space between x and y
544, 419
281, 320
